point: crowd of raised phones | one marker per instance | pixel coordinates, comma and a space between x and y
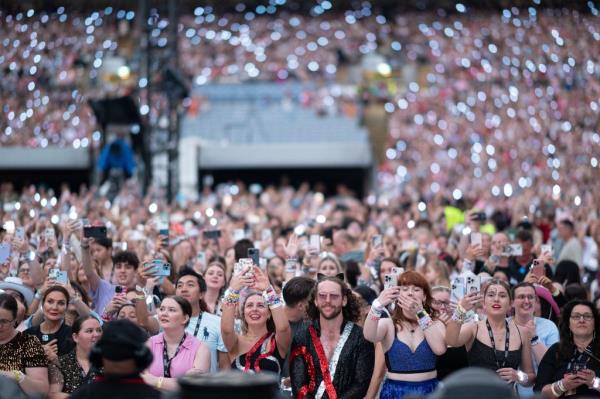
338, 297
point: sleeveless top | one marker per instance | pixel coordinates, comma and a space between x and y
182, 363
482, 355
400, 359
273, 362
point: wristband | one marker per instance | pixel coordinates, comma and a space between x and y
271, 297
231, 297
522, 378
553, 390
377, 305
561, 387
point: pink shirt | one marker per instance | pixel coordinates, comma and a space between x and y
181, 363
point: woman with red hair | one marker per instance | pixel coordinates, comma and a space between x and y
411, 338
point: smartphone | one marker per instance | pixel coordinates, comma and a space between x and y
59, 276
328, 234
512, 250
546, 249
315, 242
237, 268
397, 270
458, 289
377, 241
472, 283
119, 289
266, 235
211, 234
163, 226
164, 270
247, 263
94, 232
478, 216
537, 268
389, 280
201, 258
122, 246
49, 234
254, 254
4, 252
476, 239
20, 233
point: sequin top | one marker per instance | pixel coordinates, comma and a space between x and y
356, 361
73, 374
22, 352
400, 359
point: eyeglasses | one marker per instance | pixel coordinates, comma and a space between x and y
435, 302
4, 322
584, 316
332, 297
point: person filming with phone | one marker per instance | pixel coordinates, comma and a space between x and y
571, 367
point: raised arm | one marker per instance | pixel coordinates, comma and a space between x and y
458, 334
88, 266
283, 333
375, 329
230, 304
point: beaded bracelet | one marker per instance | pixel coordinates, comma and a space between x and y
458, 315
271, 297
231, 297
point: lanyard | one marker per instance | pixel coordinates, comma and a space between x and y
493, 342
198, 325
166, 360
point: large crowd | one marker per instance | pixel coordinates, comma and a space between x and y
282, 279
478, 247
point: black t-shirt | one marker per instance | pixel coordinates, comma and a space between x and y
454, 359
63, 338
517, 272
122, 388
552, 370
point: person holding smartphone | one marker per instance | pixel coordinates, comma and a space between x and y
571, 367
542, 333
412, 338
266, 333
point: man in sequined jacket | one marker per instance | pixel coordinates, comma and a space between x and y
329, 356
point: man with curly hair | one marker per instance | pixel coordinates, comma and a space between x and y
330, 357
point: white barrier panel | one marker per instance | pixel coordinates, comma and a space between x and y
189, 148
44, 158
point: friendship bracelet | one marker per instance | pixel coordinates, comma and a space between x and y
561, 386
425, 322
271, 297
231, 297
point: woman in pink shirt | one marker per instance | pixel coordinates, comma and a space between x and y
175, 352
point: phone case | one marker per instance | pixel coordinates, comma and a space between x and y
473, 283
389, 280
458, 289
